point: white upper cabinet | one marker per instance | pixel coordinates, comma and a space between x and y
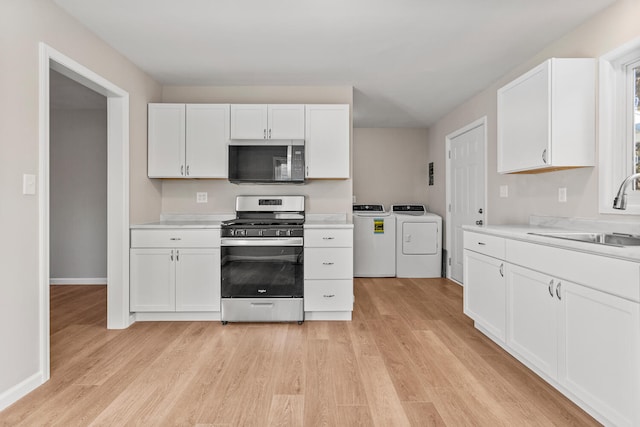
272, 121
327, 150
188, 140
546, 117
166, 140
207, 140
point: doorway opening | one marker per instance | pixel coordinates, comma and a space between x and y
466, 190
117, 251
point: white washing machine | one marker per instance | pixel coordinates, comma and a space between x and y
418, 241
374, 241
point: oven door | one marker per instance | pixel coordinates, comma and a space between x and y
262, 268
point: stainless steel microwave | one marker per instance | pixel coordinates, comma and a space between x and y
266, 162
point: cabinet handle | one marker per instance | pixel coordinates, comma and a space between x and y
482, 243
479, 222
171, 254
264, 134
551, 288
269, 133
182, 170
544, 156
558, 290
327, 263
175, 238
329, 296
187, 170
307, 170
328, 238
502, 269
177, 255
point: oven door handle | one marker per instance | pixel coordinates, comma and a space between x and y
262, 241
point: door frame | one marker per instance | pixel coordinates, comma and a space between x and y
476, 123
118, 315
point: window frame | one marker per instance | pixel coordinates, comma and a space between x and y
616, 123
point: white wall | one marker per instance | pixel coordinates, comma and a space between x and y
389, 165
23, 24
323, 196
537, 194
78, 193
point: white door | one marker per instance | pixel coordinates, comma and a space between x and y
532, 318
153, 285
327, 150
249, 121
419, 238
207, 140
466, 189
286, 121
166, 134
600, 352
197, 279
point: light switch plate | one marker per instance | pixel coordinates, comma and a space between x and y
504, 191
28, 184
202, 197
562, 194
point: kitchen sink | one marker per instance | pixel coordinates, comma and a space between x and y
612, 239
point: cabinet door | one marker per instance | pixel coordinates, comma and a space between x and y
249, 121
286, 121
485, 292
197, 279
601, 351
166, 140
532, 315
152, 274
327, 150
524, 114
207, 140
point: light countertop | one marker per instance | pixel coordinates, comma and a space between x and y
521, 232
214, 221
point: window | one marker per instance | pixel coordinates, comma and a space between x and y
619, 126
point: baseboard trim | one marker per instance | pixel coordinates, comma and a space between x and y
79, 281
20, 390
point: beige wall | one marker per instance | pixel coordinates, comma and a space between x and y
389, 165
23, 24
537, 194
323, 196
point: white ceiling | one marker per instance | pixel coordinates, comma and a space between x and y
409, 61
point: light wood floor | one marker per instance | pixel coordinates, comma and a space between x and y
409, 357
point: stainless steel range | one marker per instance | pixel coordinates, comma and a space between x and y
262, 260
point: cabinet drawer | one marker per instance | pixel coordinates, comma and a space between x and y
172, 238
330, 237
485, 244
328, 295
328, 263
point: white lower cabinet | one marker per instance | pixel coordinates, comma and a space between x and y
175, 279
484, 292
599, 351
485, 285
328, 274
532, 309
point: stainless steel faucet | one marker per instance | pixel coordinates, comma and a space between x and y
620, 202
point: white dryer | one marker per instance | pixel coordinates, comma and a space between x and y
374, 241
418, 242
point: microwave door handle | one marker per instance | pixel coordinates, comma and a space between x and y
289, 160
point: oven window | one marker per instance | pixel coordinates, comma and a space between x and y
262, 271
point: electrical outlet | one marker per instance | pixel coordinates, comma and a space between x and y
504, 191
201, 197
28, 184
562, 194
